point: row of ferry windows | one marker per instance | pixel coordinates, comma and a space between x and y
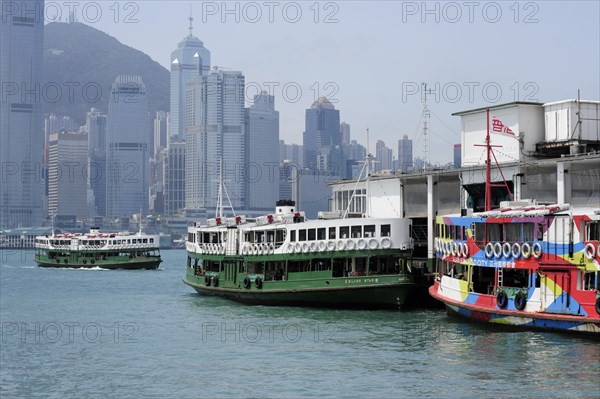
485, 232
103, 242
343, 232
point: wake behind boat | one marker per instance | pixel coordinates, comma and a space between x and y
105, 250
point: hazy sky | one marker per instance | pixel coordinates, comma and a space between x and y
370, 58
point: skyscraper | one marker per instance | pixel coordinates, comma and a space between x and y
262, 149
160, 132
174, 177
21, 119
457, 155
96, 125
190, 60
215, 132
67, 185
128, 145
345, 129
322, 129
405, 156
383, 155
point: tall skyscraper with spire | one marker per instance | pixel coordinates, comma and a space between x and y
21, 119
190, 60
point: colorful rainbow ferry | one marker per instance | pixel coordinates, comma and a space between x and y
523, 264
284, 259
95, 249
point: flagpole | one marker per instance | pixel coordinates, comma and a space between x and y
488, 174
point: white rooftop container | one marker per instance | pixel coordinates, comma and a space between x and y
563, 122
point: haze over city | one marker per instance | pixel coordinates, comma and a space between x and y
370, 58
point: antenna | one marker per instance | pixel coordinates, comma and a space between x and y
367, 167
222, 189
426, 116
191, 20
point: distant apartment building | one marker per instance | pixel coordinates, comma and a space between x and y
322, 129
67, 174
128, 148
383, 156
96, 127
174, 177
21, 118
262, 149
345, 130
215, 136
405, 154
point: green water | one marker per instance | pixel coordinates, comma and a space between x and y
144, 334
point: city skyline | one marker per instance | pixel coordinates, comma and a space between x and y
325, 35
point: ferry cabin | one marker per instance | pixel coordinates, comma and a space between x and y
89, 249
501, 260
288, 248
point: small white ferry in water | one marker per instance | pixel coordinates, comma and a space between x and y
122, 250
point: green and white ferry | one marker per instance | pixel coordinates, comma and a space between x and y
284, 259
95, 249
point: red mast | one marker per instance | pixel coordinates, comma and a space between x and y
488, 171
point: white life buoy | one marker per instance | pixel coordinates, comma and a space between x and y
497, 250
373, 243
506, 250
271, 248
536, 250
290, 248
465, 250
386, 243
341, 245
330, 245
298, 248
305, 247
489, 250
516, 250
322, 246
314, 247
526, 250
589, 251
362, 244
351, 245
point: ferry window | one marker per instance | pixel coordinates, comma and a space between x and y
152, 240
205, 238
494, 232
302, 235
145, 240
259, 236
370, 230
513, 232
540, 231
589, 281
293, 236
385, 230
356, 231
312, 234
479, 231
344, 232
271, 236
332, 233
528, 232
592, 231
279, 235
321, 234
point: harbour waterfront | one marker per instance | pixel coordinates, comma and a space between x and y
98, 333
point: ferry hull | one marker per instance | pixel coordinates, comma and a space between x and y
389, 296
129, 265
518, 319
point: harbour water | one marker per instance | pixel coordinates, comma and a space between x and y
130, 334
